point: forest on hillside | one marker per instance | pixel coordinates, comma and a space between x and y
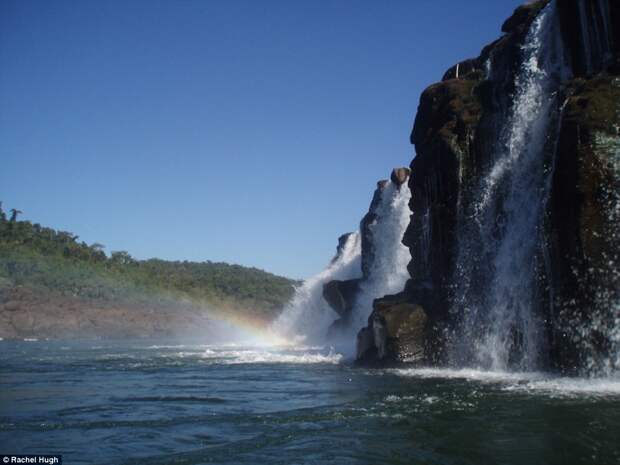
39, 257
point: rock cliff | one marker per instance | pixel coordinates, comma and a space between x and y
573, 152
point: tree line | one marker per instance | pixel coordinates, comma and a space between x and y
39, 256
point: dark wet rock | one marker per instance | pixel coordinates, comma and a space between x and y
406, 326
399, 176
340, 295
369, 219
379, 334
444, 136
523, 15
592, 35
365, 346
396, 332
342, 240
583, 214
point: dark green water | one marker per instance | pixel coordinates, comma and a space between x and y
139, 403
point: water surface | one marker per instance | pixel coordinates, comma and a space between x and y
141, 402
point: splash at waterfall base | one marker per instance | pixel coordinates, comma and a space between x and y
513, 219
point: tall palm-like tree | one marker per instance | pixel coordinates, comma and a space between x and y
14, 213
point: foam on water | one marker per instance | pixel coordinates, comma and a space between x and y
237, 353
467, 374
525, 382
251, 356
570, 387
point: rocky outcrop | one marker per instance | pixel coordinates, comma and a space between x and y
342, 241
342, 295
368, 253
400, 176
443, 134
396, 332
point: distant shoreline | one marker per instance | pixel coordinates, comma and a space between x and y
30, 313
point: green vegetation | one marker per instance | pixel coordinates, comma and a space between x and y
40, 257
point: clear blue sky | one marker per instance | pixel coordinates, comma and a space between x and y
243, 131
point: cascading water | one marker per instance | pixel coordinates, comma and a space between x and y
501, 239
388, 271
308, 316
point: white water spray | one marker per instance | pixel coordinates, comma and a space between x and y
308, 316
388, 272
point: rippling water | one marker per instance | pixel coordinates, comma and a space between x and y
143, 403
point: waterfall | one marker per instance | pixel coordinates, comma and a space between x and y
388, 271
308, 316
500, 239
